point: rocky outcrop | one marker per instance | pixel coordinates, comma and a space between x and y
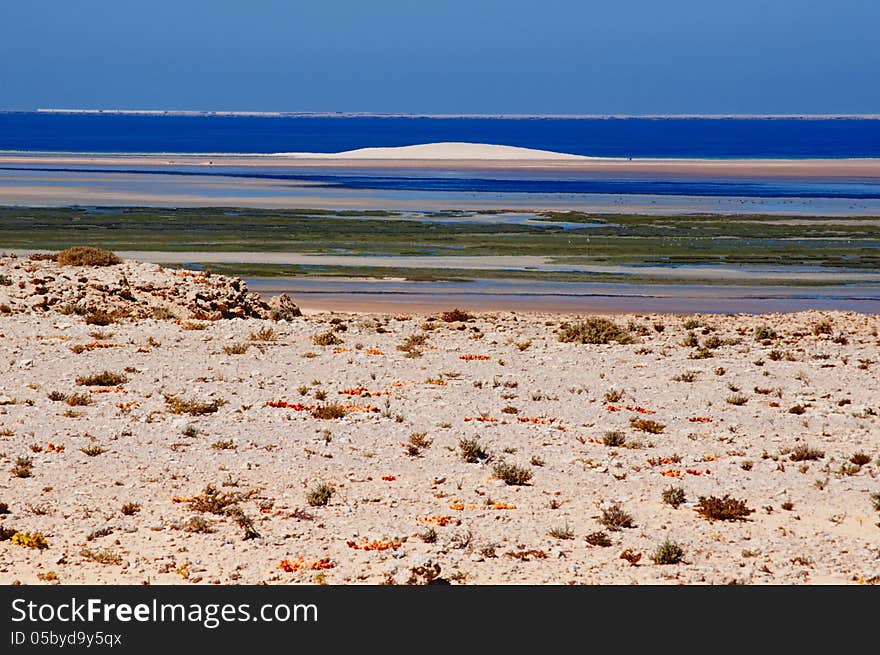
282, 308
131, 289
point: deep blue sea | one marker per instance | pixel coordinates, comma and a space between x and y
600, 137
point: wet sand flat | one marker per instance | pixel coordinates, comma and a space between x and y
805, 168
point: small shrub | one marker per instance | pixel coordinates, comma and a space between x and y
737, 399
764, 333
510, 409
472, 451
613, 395
78, 399
614, 517
223, 444
805, 453
797, 409
130, 509
687, 376
614, 438
673, 496
86, 256
723, 509
562, 532
329, 411
511, 474
669, 552
102, 379
594, 330
319, 495
599, 538
236, 348
455, 316
417, 442
178, 405
93, 450
860, 459
100, 318
713, 342
23, 467
30, 540
327, 338
875, 501
243, 521
646, 425
265, 333
823, 327
103, 556
411, 344
214, 501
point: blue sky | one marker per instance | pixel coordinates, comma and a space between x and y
444, 56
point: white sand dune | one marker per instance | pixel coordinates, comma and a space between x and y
447, 150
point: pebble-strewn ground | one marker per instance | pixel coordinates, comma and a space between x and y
731, 417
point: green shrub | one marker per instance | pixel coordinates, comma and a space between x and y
614, 438
319, 495
472, 451
594, 330
668, 552
614, 517
674, 496
511, 474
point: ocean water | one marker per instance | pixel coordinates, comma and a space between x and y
602, 137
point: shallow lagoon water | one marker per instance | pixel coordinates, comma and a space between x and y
169, 188
518, 295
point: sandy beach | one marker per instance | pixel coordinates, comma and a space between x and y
465, 156
161, 442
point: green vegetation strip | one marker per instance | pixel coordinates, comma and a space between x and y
851, 242
464, 275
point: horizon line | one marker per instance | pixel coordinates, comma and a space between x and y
355, 114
